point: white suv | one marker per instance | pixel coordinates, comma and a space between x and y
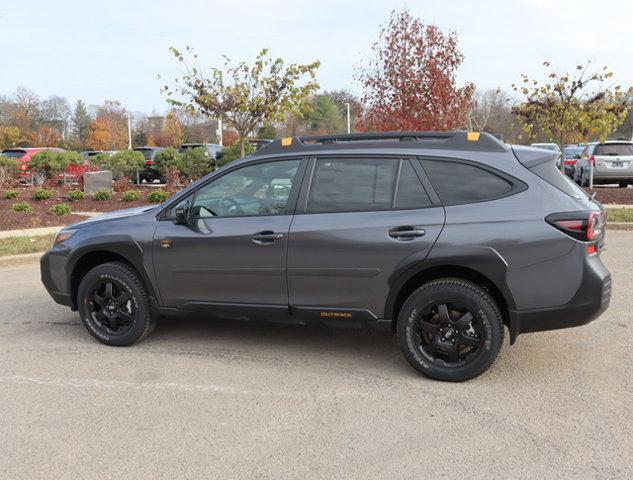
612, 163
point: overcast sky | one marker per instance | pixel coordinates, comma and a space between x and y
115, 49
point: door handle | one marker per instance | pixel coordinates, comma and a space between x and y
408, 232
266, 237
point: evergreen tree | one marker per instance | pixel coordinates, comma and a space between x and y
81, 124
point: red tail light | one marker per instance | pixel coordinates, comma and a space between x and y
570, 162
592, 160
584, 226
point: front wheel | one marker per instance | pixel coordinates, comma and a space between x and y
450, 329
113, 304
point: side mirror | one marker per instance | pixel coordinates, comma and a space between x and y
181, 213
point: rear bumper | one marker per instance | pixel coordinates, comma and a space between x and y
589, 302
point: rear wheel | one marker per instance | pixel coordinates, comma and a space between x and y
113, 304
450, 329
623, 184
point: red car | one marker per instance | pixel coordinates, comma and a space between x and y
25, 154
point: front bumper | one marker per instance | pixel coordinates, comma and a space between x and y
52, 268
590, 301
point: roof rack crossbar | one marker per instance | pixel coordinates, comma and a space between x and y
456, 140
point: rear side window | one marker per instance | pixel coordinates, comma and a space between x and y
372, 184
14, 153
410, 192
549, 172
458, 183
340, 185
614, 149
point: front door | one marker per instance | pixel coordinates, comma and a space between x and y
233, 249
357, 220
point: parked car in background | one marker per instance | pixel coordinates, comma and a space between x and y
612, 163
150, 174
571, 154
25, 154
259, 143
211, 149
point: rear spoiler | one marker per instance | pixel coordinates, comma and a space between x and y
531, 157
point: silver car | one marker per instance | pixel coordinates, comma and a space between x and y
612, 163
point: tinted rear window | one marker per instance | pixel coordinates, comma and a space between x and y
14, 153
147, 152
410, 193
344, 185
549, 172
458, 183
614, 149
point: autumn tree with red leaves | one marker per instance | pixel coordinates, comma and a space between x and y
410, 85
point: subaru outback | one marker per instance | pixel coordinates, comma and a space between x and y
448, 239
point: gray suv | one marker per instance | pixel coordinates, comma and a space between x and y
446, 238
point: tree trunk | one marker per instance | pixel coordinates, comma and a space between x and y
242, 149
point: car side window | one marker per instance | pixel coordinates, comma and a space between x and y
459, 183
410, 192
258, 189
354, 184
364, 184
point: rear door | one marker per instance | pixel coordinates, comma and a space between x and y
357, 220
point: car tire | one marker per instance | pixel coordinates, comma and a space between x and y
623, 184
421, 312
119, 314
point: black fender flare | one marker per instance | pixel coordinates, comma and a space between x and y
485, 260
121, 245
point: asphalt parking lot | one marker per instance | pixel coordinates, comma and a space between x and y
203, 399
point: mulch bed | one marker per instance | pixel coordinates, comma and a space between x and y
10, 220
612, 194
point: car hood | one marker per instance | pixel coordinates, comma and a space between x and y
117, 214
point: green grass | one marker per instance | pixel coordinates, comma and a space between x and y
620, 214
20, 245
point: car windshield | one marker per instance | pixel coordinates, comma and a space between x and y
614, 149
14, 153
571, 151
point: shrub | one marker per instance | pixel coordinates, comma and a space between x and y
22, 207
194, 163
9, 169
60, 209
49, 163
233, 153
126, 163
42, 194
11, 193
75, 195
158, 196
100, 160
166, 160
102, 195
130, 196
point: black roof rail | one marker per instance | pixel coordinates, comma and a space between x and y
457, 140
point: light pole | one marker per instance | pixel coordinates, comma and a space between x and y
349, 125
129, 131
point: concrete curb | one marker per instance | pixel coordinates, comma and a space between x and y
16, 260
30, 232
619, 225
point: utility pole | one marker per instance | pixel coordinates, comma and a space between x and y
129, 131
219, 132
349, 125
